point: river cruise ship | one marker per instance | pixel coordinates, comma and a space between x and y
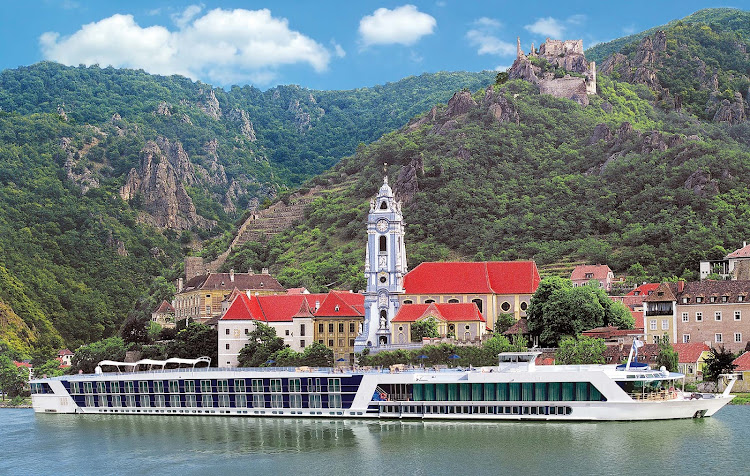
516, 389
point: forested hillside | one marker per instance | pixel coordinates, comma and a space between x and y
81, 235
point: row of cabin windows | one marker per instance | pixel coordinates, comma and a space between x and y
208, 401
294, 385
476, 410
492, 392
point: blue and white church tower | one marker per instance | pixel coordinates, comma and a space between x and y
385, 267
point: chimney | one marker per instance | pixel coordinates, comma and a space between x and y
250, 271
680, 286
180, 285
317, 305
231, 275
264, 271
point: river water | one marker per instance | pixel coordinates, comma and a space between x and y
187, 445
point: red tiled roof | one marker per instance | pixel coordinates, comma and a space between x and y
22, 364
690, 353
644, 289
521, 326
451, 312
64, 352
495, 277
743, 252
165, 307
598, 271
742, 362
296, 291
283, 307
639, 320
664, 292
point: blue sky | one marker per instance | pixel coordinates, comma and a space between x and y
316, 44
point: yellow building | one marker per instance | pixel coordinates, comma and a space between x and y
337, 322
202, 296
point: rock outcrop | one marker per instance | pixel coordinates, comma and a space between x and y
407, 184
559, 69
241, 117
158, 185
209, 104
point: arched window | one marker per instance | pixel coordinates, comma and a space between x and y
408, 301
383, 205
478, 302
383, 244
429, 301
453, 301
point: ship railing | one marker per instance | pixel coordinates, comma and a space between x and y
661, 395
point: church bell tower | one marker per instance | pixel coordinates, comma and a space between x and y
385, 267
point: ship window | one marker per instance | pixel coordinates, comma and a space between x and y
174, 401
334, 384
114, 387
88, 387
276, 385
334, 401
145, 401
205, 386
143, 386
257, 385
101, 387
223, 401
240, 401
189, 386
313, 384
277, 401
103, 401
295, 385
239, 385
89, 400
174, 386
129, 386
258, 401
130, 401
315, 401
222, 386
191, 401
158, 386
74, 388
207, 400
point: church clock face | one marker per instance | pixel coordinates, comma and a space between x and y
382, 225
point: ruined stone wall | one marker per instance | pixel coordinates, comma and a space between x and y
561, 47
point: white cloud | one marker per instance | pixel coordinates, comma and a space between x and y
548, 27
182, 19
578, 19
222, 45
404, 25
483, 36
502, 68
337, 49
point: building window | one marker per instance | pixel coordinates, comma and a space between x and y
383, 248
301, 330
713, 298
740, 298
453, 301
685, 338
408, 301
698, 316
524, 305
247, 332
685, 317
352, 327
227, 331
302, 343
724, 298
478, 302
656, 339
351, 342
589, 275
699, 299
429, 301
737, 315
505, 306
330, 342
652, 324
286, 332
717, 315
341, 342
684, 300
320, 328
330, 327
227, 346
341, 327
664, 324
737, 337
717, 338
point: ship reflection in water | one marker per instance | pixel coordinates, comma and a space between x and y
190, 445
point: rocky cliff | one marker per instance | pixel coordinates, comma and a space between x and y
159, 187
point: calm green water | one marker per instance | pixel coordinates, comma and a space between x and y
122, 444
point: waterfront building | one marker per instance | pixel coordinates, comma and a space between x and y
200, 299
495, 287
716, 313
463, 321
690, 359
296, 318
600, 273
742, 368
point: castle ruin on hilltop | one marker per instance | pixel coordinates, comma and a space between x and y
559, 68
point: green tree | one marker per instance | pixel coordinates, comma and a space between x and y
581, 350
667, 357
262, 343
196, 340
424, 328
317, 355
88, 356
135, 331
717, 363
12, 379
504, 322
